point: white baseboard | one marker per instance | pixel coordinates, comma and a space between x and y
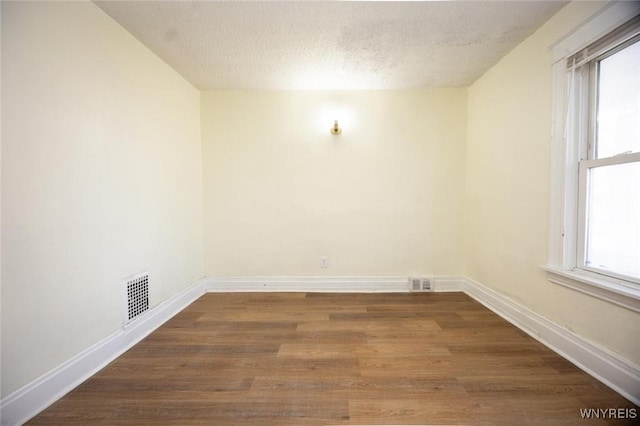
618, 373
448, 284
327, 284
26, 402
309, 284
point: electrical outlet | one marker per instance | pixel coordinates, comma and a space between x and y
324, 262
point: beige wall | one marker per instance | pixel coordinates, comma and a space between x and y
507, 184
101, 178
383, 198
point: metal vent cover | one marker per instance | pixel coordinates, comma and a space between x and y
426, 284
137, 295
420, 284
415, 284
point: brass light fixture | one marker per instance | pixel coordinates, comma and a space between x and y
336, 130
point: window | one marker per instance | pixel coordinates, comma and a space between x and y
609, 171
595, 194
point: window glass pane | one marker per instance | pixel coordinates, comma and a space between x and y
613, 219
619, 103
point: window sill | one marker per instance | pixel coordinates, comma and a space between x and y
601, 288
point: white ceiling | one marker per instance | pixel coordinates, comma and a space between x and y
330, 45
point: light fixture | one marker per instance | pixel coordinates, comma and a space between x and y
336, 130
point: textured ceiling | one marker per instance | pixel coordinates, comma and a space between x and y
330, 45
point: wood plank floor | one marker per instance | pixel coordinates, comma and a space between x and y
337, 359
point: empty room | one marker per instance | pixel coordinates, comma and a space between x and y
320, 213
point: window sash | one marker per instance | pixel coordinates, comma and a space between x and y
583, 199
590, 89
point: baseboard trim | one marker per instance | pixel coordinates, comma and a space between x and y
392, 284
618, 373
21, 405
308, 284
449, 284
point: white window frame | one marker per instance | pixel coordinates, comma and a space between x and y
571, 160
588, 160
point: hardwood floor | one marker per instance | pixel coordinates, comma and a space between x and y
316, 359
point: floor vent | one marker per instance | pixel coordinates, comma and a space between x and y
420, 284
137, 295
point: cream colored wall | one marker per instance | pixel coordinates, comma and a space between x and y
383, 198
101, 178
507, 184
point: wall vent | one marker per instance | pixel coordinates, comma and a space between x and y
137, 295
420, 284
